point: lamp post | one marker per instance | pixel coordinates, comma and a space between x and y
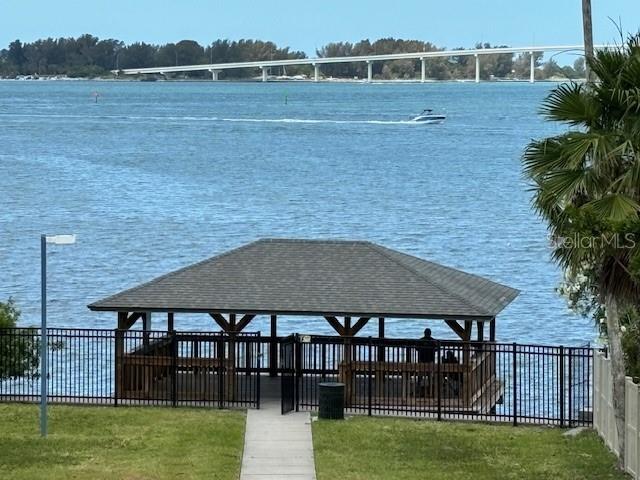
55, 240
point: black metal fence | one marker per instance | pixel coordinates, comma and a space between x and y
133, 367
445, 380
451, 380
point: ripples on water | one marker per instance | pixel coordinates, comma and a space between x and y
159, 175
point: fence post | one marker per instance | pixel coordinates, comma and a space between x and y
515, 384
118, 353
323, 360
221, 374
439, 380
174, 368
561, 386
297, 369
369, 375
259, 355
569, 385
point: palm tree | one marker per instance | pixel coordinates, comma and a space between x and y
587, 30
586, 185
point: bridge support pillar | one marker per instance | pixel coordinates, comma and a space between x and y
423, 70
265, 75
369, 71
316, 72
477, 68
214, 74
532, 68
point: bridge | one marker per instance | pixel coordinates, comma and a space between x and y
316, 62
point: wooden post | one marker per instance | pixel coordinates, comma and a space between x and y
273, 347
381, 358
492, 338
122, 320
480, 327
347, 361
119, 356
381, 335
146, 326
466, 364
347, 342
230, 387
169, 321
480, 337
467, 337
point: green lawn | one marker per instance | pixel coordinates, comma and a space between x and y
131, 443
384, 448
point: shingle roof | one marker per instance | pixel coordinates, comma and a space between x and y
317, 277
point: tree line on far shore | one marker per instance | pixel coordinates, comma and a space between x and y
88, 56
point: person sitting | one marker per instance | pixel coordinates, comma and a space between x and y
453, 378
449, 357
427, 348
426, 354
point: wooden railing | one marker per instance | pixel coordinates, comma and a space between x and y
178, 367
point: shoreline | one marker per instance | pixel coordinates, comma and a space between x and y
286, 80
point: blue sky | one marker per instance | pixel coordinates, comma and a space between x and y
307, 24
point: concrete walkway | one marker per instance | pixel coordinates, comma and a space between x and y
277, 446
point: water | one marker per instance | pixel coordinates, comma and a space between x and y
159, 175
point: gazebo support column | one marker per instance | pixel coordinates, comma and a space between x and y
381, 335
125, 322
466, 362
492, 330
347, 358
232, 327
480, 336
273, 347
465, 335
480, 327
146, 327
347, 331
468, 325
170, 322
119, 353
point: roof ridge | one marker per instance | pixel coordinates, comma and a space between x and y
179, 270
382, 251
310, 240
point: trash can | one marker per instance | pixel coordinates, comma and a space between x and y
331, 400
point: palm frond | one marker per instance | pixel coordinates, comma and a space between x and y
615, 207
570, 103
572, 187
607, 65
629, 181
540, 157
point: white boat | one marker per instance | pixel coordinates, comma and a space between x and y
427, 116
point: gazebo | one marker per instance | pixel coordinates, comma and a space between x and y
348, 283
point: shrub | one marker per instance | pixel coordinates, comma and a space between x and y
19, 349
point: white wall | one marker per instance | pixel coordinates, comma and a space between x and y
604, 420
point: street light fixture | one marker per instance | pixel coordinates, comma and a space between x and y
55, 240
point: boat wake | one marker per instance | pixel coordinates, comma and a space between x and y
320, 121
173, 118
